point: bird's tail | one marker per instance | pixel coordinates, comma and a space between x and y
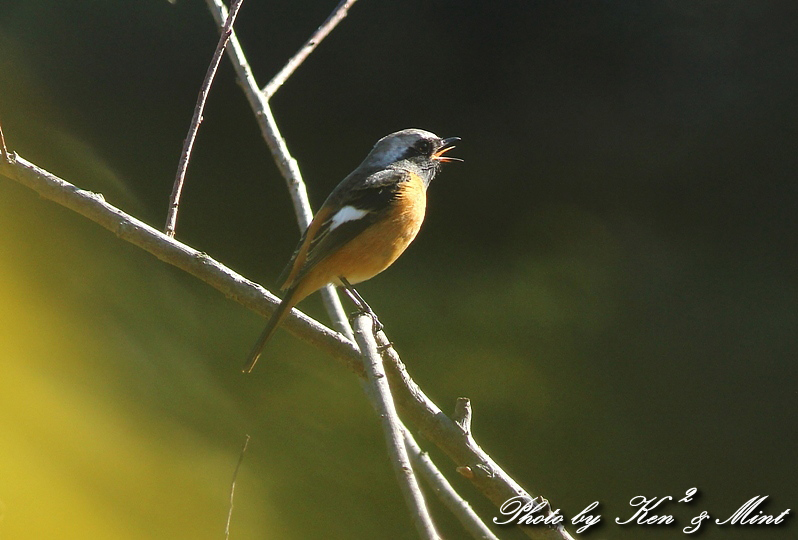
277, 317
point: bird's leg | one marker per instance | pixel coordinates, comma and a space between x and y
362, 306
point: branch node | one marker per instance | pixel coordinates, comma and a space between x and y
384, 347
99, 197
202, 258
485, 468
462, 415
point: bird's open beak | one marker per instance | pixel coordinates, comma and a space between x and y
446, 145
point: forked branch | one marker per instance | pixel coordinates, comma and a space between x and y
453, 437
411, 401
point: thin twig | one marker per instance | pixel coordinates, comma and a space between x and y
414, 403
426, 468
289, 167
290, 170
338, 14
438, 428
417, 407
233, 487
196, 120
394, 434
285, 162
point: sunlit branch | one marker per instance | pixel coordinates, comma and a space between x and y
411, 401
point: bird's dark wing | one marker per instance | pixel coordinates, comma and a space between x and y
347, 212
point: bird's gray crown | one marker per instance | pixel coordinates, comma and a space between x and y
395, 146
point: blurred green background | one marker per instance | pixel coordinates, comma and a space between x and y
610, 276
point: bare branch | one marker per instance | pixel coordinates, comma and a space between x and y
393, 429
441, 430
422, 411
231, 284
233, 487
290, 169
188, 144
425, 467
285, 162
338, 14
489, 478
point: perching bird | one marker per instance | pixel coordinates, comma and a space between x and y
367, 221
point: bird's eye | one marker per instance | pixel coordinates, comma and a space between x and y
424, 146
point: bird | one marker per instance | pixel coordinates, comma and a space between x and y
365, 223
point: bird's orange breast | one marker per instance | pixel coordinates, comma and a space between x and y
376, 248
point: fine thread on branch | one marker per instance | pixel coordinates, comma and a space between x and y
196, 120
233, 486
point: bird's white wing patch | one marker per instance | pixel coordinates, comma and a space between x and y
347, 213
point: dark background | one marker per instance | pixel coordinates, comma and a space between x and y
610, 276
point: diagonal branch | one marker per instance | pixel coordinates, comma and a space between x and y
231, 284
287, 165
196, 120
259, 102
411, 401
455, 439
338, 14
290, 170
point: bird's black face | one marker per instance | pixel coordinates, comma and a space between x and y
415, 149
426, 155
428, 152
423, 148
431, 148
